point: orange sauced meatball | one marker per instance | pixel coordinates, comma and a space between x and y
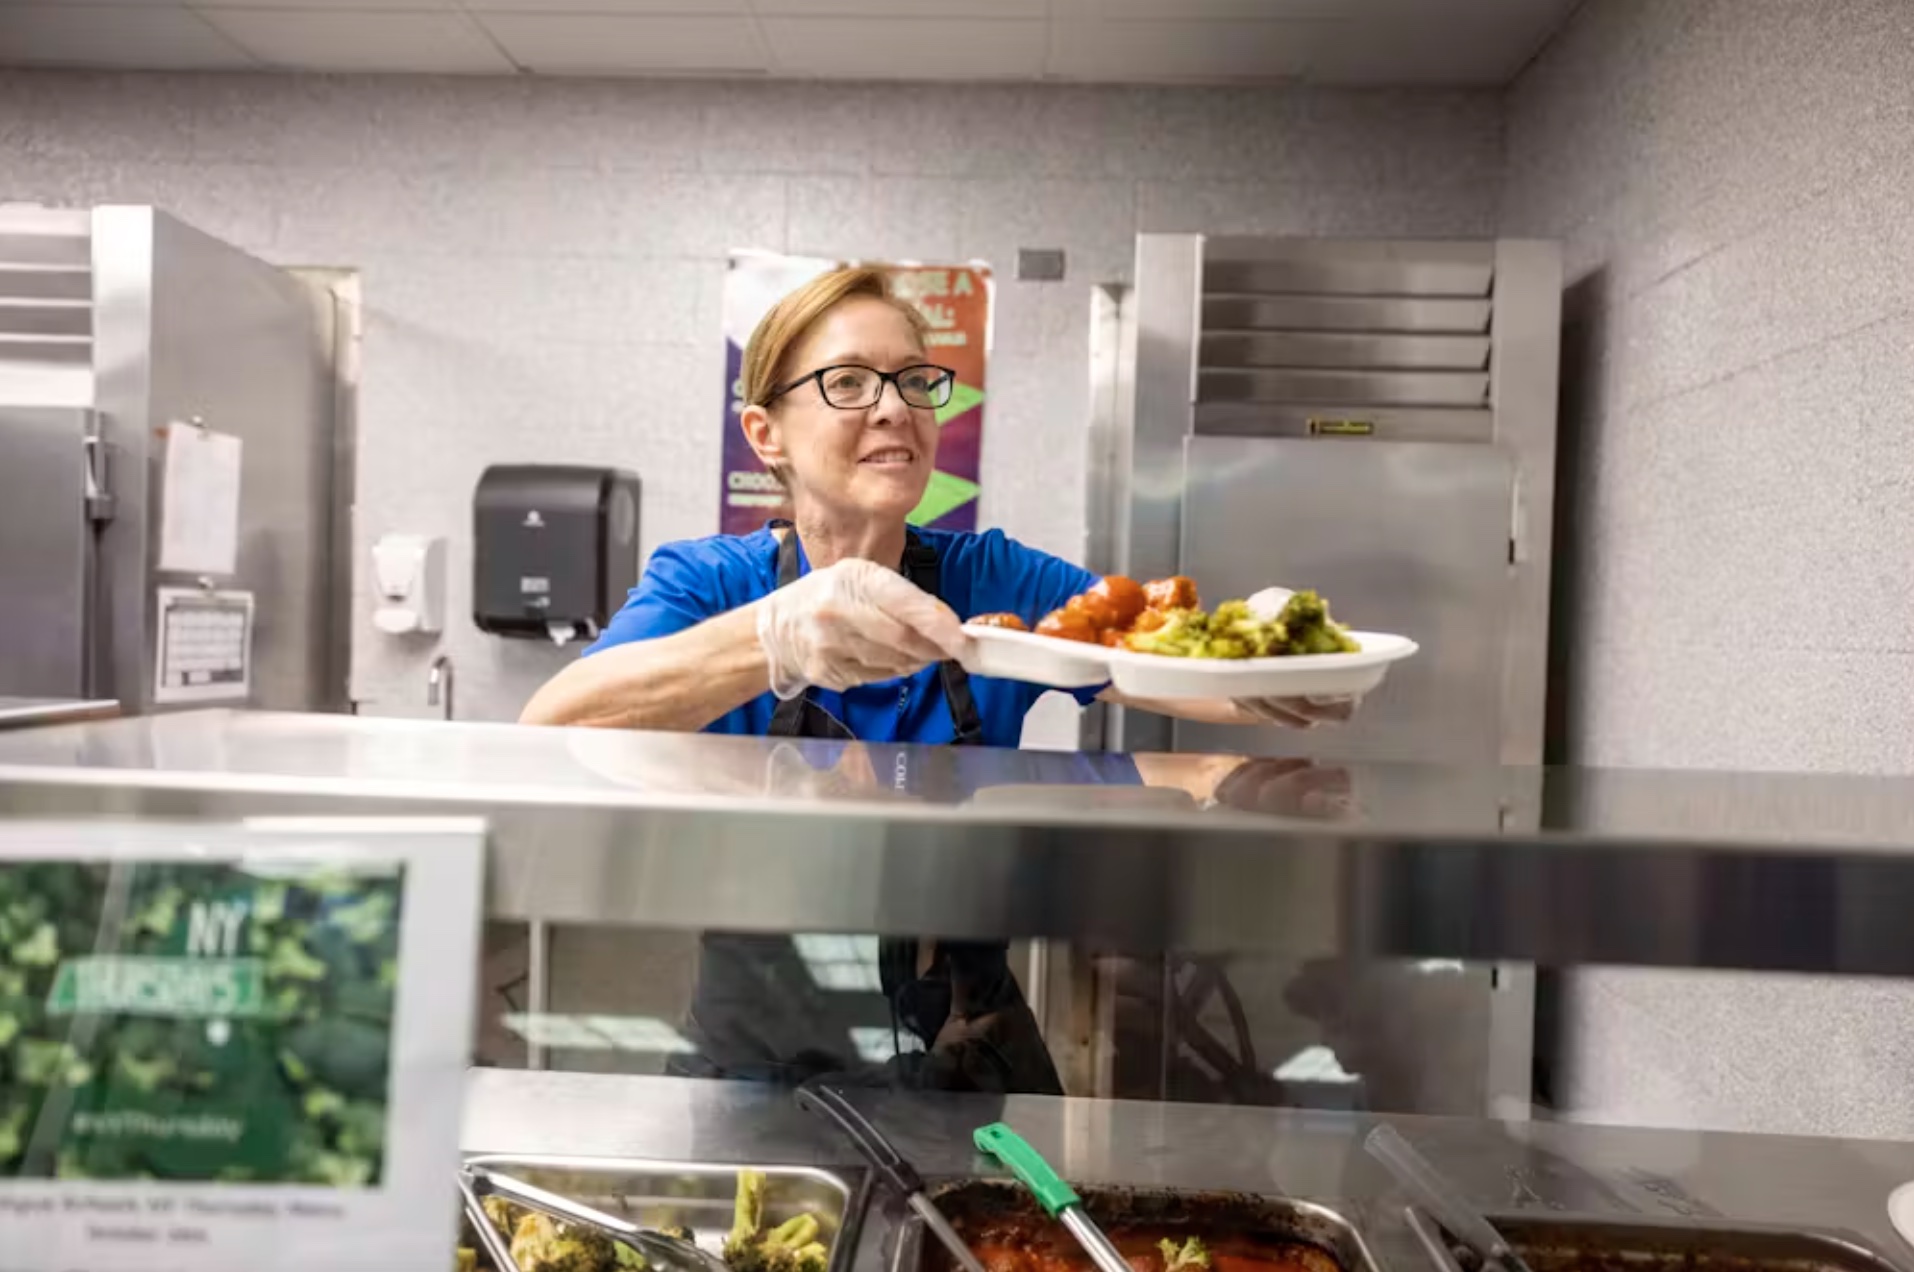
1124, 598
1064, 625
1171, 593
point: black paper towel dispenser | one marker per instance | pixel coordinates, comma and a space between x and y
554, 549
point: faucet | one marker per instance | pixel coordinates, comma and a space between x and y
438, 686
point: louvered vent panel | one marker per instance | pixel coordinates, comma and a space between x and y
1293, 331
46, 304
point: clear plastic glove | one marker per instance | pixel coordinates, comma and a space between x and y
853, 623
1298, 713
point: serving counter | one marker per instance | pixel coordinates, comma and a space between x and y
1179, 886
1191, 852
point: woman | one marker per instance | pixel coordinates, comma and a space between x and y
847, 624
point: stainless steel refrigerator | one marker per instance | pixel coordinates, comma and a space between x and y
1376, 420
119, 325
1372, 419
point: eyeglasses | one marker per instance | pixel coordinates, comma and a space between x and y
853, 388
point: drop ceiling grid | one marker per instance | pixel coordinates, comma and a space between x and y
1177, 41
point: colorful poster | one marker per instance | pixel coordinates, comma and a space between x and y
227, 1048
954, 299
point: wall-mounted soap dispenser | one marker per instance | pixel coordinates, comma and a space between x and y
554, 549
409, 572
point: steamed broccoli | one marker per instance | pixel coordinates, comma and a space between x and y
503, 1214
1311, 630
792, 1246
1191, 1254
1236, 632
747, 1215
1183, 634
543, 1244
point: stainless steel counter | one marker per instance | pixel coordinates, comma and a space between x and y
1142, 852
1503, 1167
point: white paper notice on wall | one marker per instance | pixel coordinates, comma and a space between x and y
199, 501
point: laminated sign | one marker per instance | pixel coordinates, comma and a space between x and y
219, 1049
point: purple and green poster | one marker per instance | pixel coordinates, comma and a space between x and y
955, 299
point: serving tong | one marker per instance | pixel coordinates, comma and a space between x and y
1439, 1202
829, 1103
1056, 1197
667, 1253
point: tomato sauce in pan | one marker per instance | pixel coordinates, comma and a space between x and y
1014, 1247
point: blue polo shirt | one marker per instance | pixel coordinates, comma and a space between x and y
688, 582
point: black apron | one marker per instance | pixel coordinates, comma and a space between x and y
756, 1014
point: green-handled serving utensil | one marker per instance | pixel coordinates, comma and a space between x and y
1057, 1198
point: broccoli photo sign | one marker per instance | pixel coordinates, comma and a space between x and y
240, 1029
214, 1042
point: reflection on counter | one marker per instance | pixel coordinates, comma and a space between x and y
1008, 1017
343, 755
25, 713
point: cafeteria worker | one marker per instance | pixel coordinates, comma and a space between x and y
847, 622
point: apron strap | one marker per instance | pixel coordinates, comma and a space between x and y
799, 717
921, 567
795, 717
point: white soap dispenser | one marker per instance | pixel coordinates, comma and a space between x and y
410, 572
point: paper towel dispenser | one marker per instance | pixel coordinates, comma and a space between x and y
554, 549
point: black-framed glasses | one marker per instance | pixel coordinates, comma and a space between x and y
850, 387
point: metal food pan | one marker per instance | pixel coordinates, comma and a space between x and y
1562, 1243
970, 1204
696, 1195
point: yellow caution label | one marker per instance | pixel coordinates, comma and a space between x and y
1341, 428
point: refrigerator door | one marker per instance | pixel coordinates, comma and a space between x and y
45, 551
188, 328
1404, 537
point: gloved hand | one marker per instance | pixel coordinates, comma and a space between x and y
1298, 713
850, 624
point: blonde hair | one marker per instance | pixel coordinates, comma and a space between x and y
791, 319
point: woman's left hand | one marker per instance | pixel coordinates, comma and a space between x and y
1297, 713
1292, 713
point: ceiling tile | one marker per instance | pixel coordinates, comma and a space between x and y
1178, 51
1372, 41
671, 8
310, 40
1210, 10
1515, 12
145, 36
901, 8
315, 6
1420, 51
907, 48
608, 44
